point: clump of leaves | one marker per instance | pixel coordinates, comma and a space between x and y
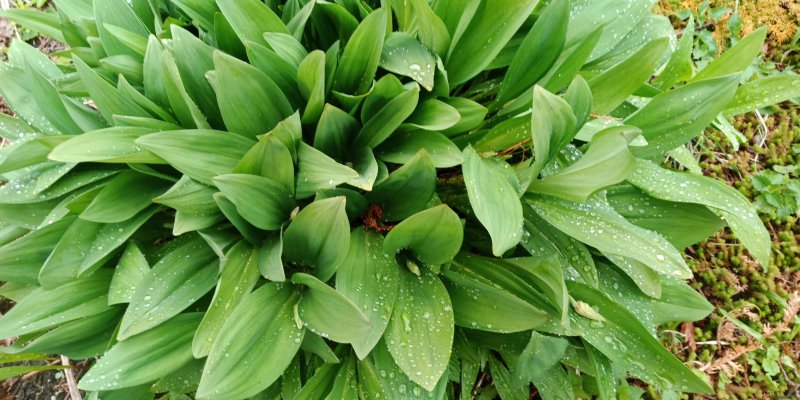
777, 191
350, 199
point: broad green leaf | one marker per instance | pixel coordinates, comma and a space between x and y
290, 133
615, 17
763, 92
545, 274
82, 338
111, 145
14, 128
28, 216
200, 154
508, 134
220, 240
537, 52
603, 373
254, 346
614, 85
200, 11
251, 18
361, 55
154, 76
315, 344
478, 305
407, 190
271, 159
50, 181
184, 108
44, 309
174, 283
542, 239
417, 16
385, 89
366, 165
105, 95
678, 301
146, 357
261, 201
26, 152
226, 37
297, 23
393, 383
250, 102
434, 115
579, 97
554, 123
319, 236
287, 47
405, 55
624, 340
42, 22
647, 29
194, 59
679, 66
21, 259
318, 385
471, 112
311, 81
12, 371
246, 229
276, 68
121, 14
190, 196
422, 320
356, 205
646, 279
383, 123
402, 147
270, 264
116, 203
683, 224
483, 39
50, 102
86, 246
239, 276
184, 380
367, 264
595, 223
434, 236
555, 384
329, 313
20, 99
316, 171
737, 59
540, 355
493, 195
506, 388
724, 200
673, 118
125, 89
335, 130
129, 274
608, 161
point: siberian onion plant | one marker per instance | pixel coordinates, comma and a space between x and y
344, 199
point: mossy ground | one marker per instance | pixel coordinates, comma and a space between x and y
762, 363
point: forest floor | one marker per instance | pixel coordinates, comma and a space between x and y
750, 346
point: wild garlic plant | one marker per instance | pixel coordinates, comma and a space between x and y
312, 199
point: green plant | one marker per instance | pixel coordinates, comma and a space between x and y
214, 194
778, 193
